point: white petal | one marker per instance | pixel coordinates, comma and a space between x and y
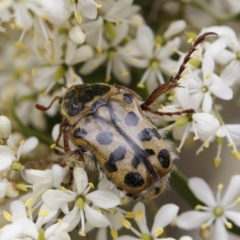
7, 157
17, 209
167, 50
56, 198
142, 224
232, 192
234, 131
77, 35
11, 231
207, 66
205, 123
72, 218
222, 91
82, 54
174, 28
30, 144
87, 8
202, 191
30, 229
127, 237
5, 127
58, 174
93, 64
3, 189
192, 219
233, 216
231, 73
220, 230
224, 57
164, 216
145, 40
217, 46
121, 33
95, 218
207, 103
38, 176
81, 179
103, 199
51, 213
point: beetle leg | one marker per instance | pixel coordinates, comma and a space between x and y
185, 111
173, 80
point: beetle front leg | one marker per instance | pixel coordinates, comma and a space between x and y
173, 80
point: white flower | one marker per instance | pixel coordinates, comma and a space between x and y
163, 217
24, 227
216, 211
77, 35
5, 127
56, 199
203, 84
144, 52
109, 50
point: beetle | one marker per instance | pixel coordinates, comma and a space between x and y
111, 124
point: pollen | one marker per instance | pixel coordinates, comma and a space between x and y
114, 233
220, 186
107, 79
237, 200
29, 203
7, 216
53, 146
207, 76
236, 154
16, 166
99, 49
140, 85
80, 203
130, 215
33, 72
198, 207
158, 231
231, 144
145, 236
78, 16
228, 225
91, 185
195, 138
139, 215
98, 5
82, 233
125, 73
117, 22
43, 213
217, 161
206, 144
125, 223
22, 187
204, 226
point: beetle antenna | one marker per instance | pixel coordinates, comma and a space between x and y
173, 80
43, 108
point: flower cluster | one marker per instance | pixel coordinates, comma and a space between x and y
49, 46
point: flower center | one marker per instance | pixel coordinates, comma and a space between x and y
204, 89
195, 63
154, 64
145, 236
218, 211
80, 203
111, 54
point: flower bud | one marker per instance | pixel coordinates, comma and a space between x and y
77, 35
5, 127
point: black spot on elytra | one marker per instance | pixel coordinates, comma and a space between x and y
117, 155
131, 119
79, 133
82, 94
127, 98
135, 161
164, 158
134, 179
148, 133
150, 151
104, 138
97, 104
119, 188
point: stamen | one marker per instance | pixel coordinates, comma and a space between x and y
7, 216
125, 223
43, 213
114, 233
